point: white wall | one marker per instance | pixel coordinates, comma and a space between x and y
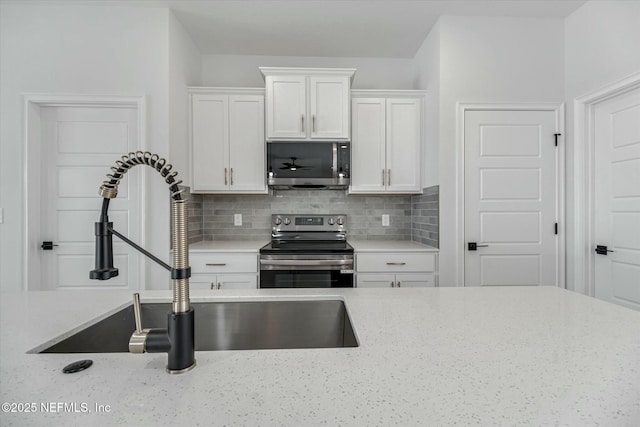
372, 73
488, 60
427, 62
601, 47
185, 69
80, 50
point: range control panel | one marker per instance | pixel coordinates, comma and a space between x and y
295, 222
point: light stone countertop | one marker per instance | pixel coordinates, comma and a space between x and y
390, 246
252, 246
512, 356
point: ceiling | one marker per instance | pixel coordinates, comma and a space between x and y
336, 28
339, 28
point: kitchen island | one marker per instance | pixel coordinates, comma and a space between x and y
437, 356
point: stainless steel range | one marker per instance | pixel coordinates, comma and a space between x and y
307, 251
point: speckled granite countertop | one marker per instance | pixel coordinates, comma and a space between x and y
390, 246
431, 356
226, 246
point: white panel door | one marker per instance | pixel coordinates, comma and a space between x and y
511, 198
286, 108
403, 145
617, 199
368, 153
329, 107
246, 143
80, 144
210, 142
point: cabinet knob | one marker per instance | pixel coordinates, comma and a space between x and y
398, 284
392, 284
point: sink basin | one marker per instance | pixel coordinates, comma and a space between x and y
226, 326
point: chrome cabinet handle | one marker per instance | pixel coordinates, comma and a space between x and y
396, 263
389, 177
213, 264
302, 123
392, 285
383, 177
225, 176
398, 284
313, 119
212, 285
219, 285
231, 175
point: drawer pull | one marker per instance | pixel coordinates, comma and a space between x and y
213, 264
396, 263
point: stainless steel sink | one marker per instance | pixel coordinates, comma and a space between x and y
227, 326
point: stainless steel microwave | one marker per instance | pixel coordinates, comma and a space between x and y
308, 165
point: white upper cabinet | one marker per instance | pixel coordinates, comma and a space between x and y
227, 140
286, 106
307, 103
386, 142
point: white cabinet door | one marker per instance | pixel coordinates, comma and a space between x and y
210, 142
237, 281
403, 135
424, 280
286, 107
329, 107
375, 280
246, 143
368, 153
202, 282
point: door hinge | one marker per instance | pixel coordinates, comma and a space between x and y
556, 229
556, 135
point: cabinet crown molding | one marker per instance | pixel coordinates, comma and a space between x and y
387, 93
225, 90
288, 71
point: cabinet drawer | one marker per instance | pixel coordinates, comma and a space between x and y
223, 263
397, 262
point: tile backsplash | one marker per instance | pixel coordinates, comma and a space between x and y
211, 216
425, 220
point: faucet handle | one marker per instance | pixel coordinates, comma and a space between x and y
137, 312
139, 336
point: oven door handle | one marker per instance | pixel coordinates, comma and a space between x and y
307, 262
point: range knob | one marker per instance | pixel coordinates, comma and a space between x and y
340, 220
331, 221
278, 221
287, 221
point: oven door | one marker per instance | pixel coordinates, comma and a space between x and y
306, 271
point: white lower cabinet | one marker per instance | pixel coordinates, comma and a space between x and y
214, 270
223, 281
401, 280
396, 270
